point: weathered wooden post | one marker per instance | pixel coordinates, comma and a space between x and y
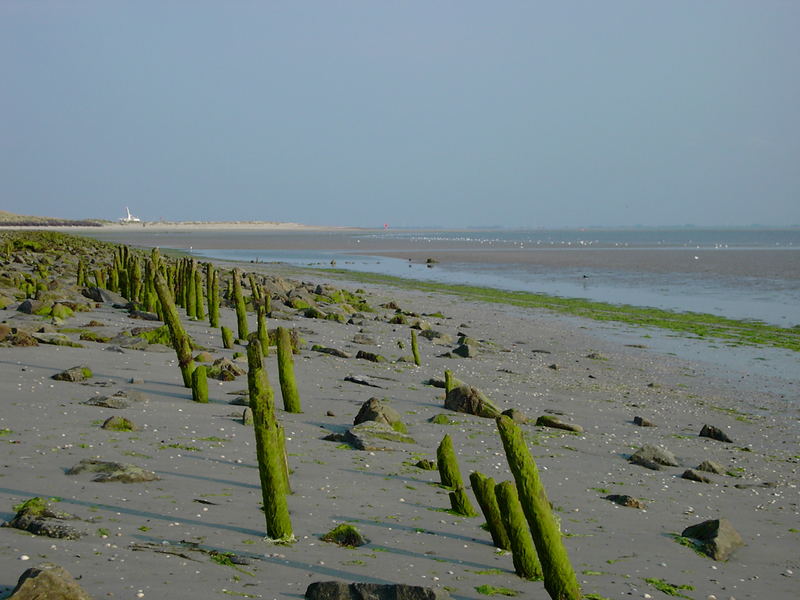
559, 577
483, 488
238, 299
415, 348
180, 339
450, 477
291, 399
200, 385
269, 452
523, 551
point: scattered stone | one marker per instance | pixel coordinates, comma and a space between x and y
144, 315
204, 357
247, 416
31, 307
38, 517
224, 370
136, 381
470, 400
117, 402
49, 581
466, 351
441, 419
130, 342
625, 500
371, 435
331, 351
102, 295
437, 337
330, 413
693, 475
715, 433
516, 415
596, 356
376, 410
652, 457
363, 339
335, 437
345, 535
339, 590
426, 464
370, 356
74, 374
555, 423
554, 367
438, 383
240, 401
117, 423
718, 538
709, 466
21, 339
642, 422
56, 339
113, 471
363, 380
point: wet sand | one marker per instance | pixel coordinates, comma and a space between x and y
208, 493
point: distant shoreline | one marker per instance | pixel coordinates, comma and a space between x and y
185, 226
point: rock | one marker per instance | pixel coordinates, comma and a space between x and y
74, 374
718, 538
61, 311
625, 500
470, 400
330, 413
376, 410
370, 356
56, 339
420, 325
426, 464
224, 370
331, 351
48, 581
204, 357
466, 351
596, 356
113, 471
119, 424
555, 423
553, 366
437, 337
338, 590
435, 382
345, 535
22, 339
129, 342
371, 435
709, 466
247, 416
653, 457
364, 339
30, 307
642, 422
102, 295
693, 475
240, 401
116, 402
715, 433
363, 380
38, 517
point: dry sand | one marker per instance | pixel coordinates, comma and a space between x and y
209, 492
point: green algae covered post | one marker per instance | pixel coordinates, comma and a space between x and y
483, 488
200, 385
238, 300
268, 448
180, 339
450, 476
291, 399
523, 551
559, 576
415, 348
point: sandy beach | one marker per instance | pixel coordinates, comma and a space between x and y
156, 539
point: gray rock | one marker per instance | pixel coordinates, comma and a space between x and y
74, 374
331, 351
339, 590
625, 500
466, 351
48, 581
240, 401
437, 337
516, 415
709, 466
113, 471
642, 422
39, 518
224, 370
56, 339
693, 475
129, 342
718, 538
108, 402
102, 295
371, 435
363, 380
715, 433
363, 339
376, 410
555, 423
470, 400
370, 356
653, 457
30, 306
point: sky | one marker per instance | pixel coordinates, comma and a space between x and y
442, 113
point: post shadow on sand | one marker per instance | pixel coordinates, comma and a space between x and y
136, 513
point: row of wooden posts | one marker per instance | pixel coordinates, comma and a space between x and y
518, 513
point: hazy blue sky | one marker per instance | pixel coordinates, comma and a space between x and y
528, 114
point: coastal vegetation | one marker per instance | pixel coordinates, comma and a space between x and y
699, 325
